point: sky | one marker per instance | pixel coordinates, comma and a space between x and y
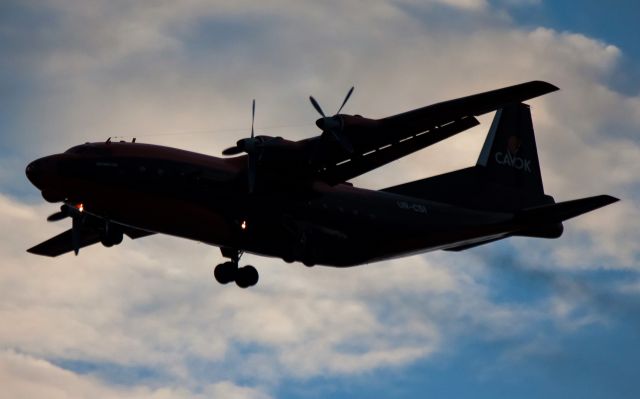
519, 318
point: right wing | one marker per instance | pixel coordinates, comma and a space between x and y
432, 115
90, 234
63, 243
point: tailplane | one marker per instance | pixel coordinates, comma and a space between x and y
506, 177
561, 211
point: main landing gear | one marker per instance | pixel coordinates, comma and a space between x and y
227, 272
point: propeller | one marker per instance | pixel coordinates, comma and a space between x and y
252, 151
334, 124
77, 219
61, 214
76, 226
253, 147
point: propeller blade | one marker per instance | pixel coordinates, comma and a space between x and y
344, 143
316, 106
253, 116
232, 151
61, 214
76, 222
345, 99
55, 217
251, 170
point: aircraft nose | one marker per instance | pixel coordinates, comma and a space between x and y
37, 170
32, 171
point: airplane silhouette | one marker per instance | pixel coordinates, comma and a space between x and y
292, 199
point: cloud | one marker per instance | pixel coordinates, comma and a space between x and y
153, 304
464, 5
25, 376
98, 69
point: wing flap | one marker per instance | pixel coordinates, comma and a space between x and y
362, 163
134, 233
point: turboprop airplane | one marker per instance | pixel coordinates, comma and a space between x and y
293, 200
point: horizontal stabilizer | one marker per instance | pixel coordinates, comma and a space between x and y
556, 213
464, 247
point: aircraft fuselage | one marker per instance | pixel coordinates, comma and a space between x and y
204, 198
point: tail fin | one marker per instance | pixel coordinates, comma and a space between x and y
510, 156
506, 177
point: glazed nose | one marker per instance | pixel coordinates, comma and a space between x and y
33, 170
36, 170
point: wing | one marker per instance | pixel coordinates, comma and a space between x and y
477, 104
63, 243
376, 142
89, 235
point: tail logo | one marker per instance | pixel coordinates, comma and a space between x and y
513, 145
509, 157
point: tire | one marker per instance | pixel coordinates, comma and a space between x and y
247, 276
225, 273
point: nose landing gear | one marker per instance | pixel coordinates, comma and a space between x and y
227, 272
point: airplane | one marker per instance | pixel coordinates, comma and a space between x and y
293, 200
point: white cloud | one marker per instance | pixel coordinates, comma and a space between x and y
176, 67
153, 303
25, 377
465, 5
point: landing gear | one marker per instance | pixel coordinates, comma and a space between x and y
227, 272
247, 276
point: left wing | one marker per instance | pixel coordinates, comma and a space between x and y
351, 145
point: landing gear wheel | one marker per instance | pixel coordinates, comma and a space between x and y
225, 272
247, 276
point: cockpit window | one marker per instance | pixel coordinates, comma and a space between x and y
79, 149
88, 149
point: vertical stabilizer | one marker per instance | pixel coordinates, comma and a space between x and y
506, 177
509, 155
